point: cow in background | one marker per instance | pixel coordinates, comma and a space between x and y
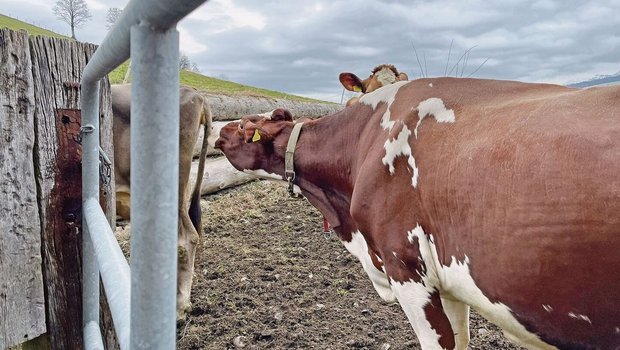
194, 111
457, 193
380, 76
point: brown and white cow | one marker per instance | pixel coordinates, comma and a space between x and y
194, 111
456, 193
380, 76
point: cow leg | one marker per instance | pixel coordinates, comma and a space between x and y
188, 235
123, 204
426, 315
458, 314
188, 240
359, 248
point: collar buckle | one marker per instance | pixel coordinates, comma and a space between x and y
290, 176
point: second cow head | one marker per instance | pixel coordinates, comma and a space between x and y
380, 76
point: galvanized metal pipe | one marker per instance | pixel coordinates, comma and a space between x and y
154, 16
113, 266
90, 294
114, 49
155, 186
90, 189
92, 336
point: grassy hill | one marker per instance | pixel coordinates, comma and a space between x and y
195, 80
15, 24
214, 85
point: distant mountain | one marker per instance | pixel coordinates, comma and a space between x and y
613, 79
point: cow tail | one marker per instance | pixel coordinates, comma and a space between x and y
194, 206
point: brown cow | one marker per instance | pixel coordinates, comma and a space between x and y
457, 193
194, 111
380, 76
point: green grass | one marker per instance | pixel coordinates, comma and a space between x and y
15, 24
196, 80
218, 86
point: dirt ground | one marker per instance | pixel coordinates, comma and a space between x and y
267, 277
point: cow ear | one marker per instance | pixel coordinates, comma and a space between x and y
281, 114
402, 77
252, 133
351, 82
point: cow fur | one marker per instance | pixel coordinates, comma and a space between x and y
457, 193
194, 111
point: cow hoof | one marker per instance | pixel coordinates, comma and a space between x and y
182, 313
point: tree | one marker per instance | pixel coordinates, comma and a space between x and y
73, 12
186, 64
113, 15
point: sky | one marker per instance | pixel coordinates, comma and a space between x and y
300, 47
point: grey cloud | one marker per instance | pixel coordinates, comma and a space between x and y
303, 46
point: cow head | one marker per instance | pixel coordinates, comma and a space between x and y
382, 75
256, 142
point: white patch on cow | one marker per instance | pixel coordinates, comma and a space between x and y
359, 248
413, 297
263, 174
385, 76
547, 308
430, 84
266, 115
434, 107
458, 315
454, 281
385, 94
617, 330
400, 147
579, 317
260, 173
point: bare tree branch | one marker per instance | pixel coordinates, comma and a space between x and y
73, 12
112, 16
186, 64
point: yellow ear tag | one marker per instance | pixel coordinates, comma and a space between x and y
356, 88
256, 136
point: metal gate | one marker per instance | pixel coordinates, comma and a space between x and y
144, 318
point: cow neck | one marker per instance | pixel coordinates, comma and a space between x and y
323, 162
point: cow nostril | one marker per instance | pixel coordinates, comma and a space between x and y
218, 143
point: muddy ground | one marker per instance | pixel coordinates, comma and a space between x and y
267, 277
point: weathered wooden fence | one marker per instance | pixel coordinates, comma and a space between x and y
40, 188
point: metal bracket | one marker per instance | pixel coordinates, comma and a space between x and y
105, 168
105, 165
87, 129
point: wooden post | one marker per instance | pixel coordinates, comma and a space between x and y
40, 191
22, 303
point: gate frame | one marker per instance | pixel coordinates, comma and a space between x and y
145, 319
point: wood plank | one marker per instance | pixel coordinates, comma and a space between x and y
57, 67
219, 174
22, 303
229, 107
61, 239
